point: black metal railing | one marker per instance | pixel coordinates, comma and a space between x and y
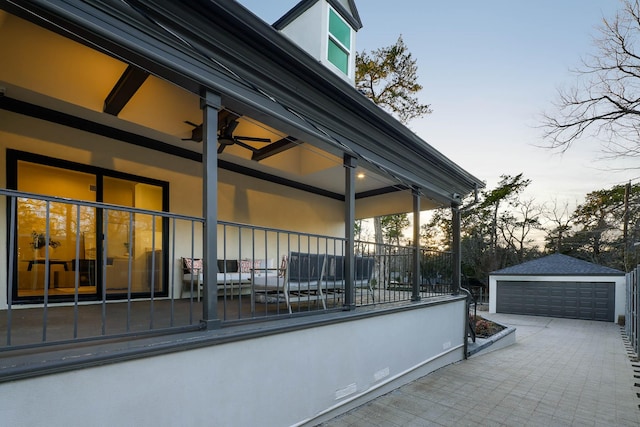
109, 272
119, 271
393, 276
632, 312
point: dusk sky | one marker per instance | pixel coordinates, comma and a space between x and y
489, 69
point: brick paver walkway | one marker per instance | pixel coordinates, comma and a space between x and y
560, 372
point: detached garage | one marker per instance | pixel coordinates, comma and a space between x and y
558, 286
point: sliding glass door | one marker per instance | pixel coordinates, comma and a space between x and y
49, 232
112, 252
133, 238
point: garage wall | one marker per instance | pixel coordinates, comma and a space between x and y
617, 281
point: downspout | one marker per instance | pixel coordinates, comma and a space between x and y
456, 248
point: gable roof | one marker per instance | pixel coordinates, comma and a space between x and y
351, 15
558, 265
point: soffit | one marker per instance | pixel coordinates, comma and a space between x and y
78, 79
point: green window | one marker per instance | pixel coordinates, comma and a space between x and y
339, 29
339, 42
338, 57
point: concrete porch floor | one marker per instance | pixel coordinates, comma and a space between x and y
94, 320
560, 372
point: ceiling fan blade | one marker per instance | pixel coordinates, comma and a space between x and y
243, 145
275, 148
251, 138
221, 148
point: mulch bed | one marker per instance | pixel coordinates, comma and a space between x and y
486, 328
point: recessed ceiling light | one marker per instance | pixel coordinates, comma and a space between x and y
360, 175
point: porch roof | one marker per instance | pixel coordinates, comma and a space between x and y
221, 46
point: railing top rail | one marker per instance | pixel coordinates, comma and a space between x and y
401, 246
279, 230
100, 205
437, 251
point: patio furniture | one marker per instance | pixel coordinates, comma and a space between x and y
229, 275
192, 275
363, 273
299, 280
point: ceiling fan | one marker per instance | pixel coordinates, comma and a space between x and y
226, 137
227, 124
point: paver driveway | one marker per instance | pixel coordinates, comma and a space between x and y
560, 372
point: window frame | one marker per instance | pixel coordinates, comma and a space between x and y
333, 39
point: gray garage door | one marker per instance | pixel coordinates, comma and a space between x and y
575, 300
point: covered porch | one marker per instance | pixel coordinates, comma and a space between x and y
181, 188
120, 158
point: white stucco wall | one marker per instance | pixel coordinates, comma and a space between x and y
303, 376
307, 30
310, 31
619, 283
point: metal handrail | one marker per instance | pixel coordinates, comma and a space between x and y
167, 312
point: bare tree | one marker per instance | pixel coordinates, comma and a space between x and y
560, 220
605, 102
517, 224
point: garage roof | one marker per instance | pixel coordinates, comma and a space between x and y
558, 265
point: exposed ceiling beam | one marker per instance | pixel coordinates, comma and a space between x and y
128, 84
74, 122
274, 148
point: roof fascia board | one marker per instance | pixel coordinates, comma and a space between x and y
563, 275
354, 12
352, 17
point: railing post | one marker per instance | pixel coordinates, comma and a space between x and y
210, 103
415, 296
456, 249
636, 307
350, 164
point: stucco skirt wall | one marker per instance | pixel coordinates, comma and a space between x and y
284, 379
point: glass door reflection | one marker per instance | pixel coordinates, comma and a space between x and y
47, 262
132, 239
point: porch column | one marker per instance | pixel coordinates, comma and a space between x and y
416, 245
456, 249
350, 164
210, 103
